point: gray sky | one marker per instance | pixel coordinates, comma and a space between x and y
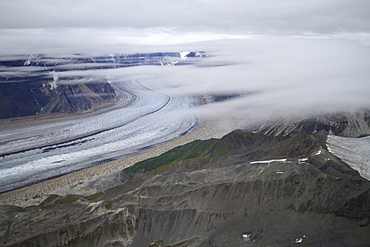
258, 16
83, 25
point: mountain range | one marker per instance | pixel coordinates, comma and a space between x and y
347, 124
32, 84
280, 185
243, 189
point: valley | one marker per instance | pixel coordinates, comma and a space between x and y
129, 162
109, 120
46, 151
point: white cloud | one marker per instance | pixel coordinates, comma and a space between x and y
287, 77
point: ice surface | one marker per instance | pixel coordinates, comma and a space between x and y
354, 151
148, 117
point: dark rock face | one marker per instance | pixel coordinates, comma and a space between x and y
24, 99
79, 97
223, 199
21, 99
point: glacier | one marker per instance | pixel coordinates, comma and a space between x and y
354, 151
147, 117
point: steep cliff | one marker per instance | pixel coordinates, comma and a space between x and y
41, 95
78, 97
244, 189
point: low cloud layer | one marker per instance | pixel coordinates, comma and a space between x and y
278, 77
287, 58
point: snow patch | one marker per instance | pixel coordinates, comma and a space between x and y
184, 54
247, 236
267, 161
278, 160
53, 84
299, 240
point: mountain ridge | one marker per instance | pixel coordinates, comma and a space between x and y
230, 198
347, 124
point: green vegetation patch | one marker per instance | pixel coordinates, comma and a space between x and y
94, 196
49, 200
195, 150
59, 200
236, 142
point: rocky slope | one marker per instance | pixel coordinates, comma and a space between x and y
41, 94
243, 189
21, 99
79, 97
348, 124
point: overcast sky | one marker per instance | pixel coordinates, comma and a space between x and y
216, 15
89, 23
296, 56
